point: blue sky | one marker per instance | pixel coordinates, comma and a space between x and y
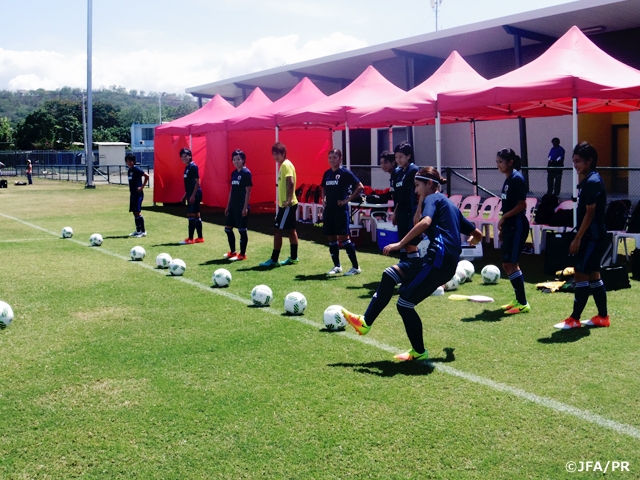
163, 46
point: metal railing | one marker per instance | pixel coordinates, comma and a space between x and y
111, 174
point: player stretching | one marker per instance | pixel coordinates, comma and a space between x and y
443, 223
285, 223
193, 196
337, 182
137, 181
513, 227
237, 211
590, 242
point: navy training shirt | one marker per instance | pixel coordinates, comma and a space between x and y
447, 223
240, 180
338, 185
190, 176
135, 175
592, 190
392, 182
404, 194
514, 190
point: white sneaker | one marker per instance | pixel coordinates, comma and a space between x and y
353, 271
335, 271
141, 234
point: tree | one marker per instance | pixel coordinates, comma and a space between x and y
6, 134
39, 130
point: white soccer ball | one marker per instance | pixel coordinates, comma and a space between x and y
96, 240
177, 267
221, 277
438, 292
6, 315
461, 273
163, 260
452, 284
137, 253
261, 295
295, 303
490, 274
67, 232
468, 267
333, 318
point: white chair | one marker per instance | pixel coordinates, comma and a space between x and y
532, 202
370, 223
538, 231
456, 199
309, 211
491, 206
470, 203
622, 237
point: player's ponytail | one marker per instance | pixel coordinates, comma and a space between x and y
510, 156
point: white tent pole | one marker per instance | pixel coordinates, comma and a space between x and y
191, 142
277, 140
473, 157
574, 173
348, 146
391, 138
438, 144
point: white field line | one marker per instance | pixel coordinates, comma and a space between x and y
501, 387
22, 240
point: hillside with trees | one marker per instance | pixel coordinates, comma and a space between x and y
42, 119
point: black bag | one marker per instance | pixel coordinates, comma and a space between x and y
615, 277
561, 218
557, 252
374, 198
615, 218
635, 264
634, 221
3, 183
548, 204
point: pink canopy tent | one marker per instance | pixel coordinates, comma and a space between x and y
573, 74
217, 108
418, 105
331, 112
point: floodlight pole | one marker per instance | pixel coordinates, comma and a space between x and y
89, 138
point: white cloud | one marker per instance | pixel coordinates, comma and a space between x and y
162, 71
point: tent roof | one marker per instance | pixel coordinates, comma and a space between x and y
368, 88
304, 93
572, 67
216, 108
418, 106
255, 101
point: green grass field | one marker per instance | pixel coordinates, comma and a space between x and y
113, 369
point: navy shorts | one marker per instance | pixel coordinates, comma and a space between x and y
235, 218
335, 222
135, 202
589, 255
404, 221
195, 206
286, 218
423, 275
513, 240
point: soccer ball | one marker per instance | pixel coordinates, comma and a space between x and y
261, 295
95, 240
333, 318
295, 303
461, 273
438, 292
6, 315
490, 274
177, 267
221, 277
137, 253
468, 267
67, 232
452, 284
163, 260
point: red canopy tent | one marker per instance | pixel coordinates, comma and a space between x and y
331, 112
572, 75
217, 108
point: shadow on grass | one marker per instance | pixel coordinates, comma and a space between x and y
370, 288
486, 316
389, 368
171, 244
117, 237
315, 277
566, 336
217, 261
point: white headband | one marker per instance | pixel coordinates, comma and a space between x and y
427, 178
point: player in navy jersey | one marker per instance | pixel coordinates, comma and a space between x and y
513, 227
193, 196
404, 197
590, 242
339, 187
388, 165
443, 223
237, 211
137, 181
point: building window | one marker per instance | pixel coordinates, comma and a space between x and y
147, 133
